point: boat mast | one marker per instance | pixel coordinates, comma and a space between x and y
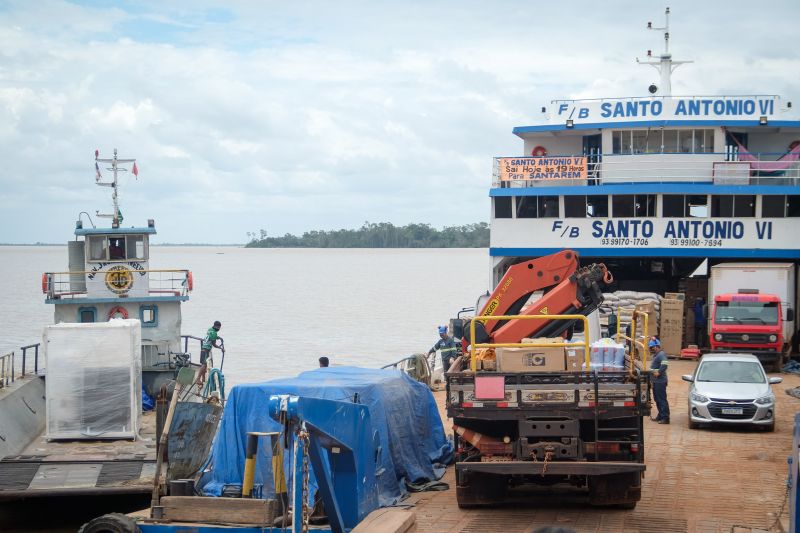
116, 217
665, 65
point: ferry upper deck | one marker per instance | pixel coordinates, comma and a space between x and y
665, 180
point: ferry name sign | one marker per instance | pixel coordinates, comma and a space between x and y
542, 168
722, 233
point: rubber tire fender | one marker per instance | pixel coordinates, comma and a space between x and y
110, 523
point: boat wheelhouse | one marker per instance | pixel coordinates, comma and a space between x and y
110, 277
654, 185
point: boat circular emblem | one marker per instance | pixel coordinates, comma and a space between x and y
119, 279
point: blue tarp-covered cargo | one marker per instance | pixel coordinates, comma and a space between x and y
402, 411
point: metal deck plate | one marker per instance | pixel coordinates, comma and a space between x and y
17, 476
66, 476
119, 472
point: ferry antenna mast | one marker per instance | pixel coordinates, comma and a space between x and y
665, 65
116, 217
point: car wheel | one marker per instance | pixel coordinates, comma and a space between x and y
693, 425
770, 428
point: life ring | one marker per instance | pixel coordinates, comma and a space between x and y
117, 312
189, 281
539, 151
794, 144
45, 283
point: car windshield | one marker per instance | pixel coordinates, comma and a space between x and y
731, 372
746, 312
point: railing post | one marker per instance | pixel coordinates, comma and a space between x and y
36, 359
24, 353
12, 367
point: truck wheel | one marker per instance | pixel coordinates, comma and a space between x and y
621, 490
478, 489
110, 523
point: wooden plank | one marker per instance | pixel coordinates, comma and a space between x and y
388, 521
217, 510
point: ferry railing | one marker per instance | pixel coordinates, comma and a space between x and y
7, 375
725, 168
186, 342
8, 364
77, 284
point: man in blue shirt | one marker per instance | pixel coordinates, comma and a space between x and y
658, 370
447, 347
700, 330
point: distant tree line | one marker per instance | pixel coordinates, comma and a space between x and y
381, 235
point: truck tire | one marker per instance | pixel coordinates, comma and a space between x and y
622, 490
110, 523
475, 489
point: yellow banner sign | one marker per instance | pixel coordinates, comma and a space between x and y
542, 168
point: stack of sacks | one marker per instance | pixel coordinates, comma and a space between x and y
605, 355
627, 301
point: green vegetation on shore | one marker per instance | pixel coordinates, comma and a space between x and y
382, 235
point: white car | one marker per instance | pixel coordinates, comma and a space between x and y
731, 388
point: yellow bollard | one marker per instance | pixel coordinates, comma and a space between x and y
251, 451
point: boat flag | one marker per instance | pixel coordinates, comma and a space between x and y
135, 170
97, 170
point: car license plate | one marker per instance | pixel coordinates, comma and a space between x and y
732, 410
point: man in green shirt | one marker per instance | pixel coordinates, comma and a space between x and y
211, 340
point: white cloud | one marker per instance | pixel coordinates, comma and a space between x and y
318, 115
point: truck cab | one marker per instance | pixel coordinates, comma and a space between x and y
749, 322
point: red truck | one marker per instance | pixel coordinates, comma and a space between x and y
749, 322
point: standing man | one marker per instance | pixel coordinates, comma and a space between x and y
658, 369
211, 340
447, 346
700, 329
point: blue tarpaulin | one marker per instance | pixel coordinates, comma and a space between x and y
403, 412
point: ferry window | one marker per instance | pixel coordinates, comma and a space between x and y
673, 205
548, 206
97, 248
148, 314
773, 206
622, 206
744, 206
733, 206
722, 206
116, 248
597, 206
671, 141
662, 141
644, 205
87, 314
575, 207
526, 207
135, 244
502, 207
793, 206
640, 142
696, 205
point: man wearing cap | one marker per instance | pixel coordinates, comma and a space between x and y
658, 370
447, 346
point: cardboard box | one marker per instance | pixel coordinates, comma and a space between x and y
672, 326
674, 296
534, 359
575, 357
652, 318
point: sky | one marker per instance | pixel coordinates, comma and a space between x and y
318, 115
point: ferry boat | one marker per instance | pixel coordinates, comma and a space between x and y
76, 427
652, 185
